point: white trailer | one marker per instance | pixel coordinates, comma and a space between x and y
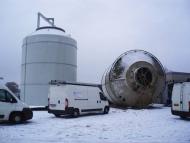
181, 99
11, 108
76, 99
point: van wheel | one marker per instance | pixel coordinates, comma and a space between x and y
106, 110
16, 117
75, 113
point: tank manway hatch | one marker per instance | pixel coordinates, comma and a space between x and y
47, 54
136, 79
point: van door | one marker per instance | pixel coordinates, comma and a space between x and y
5, 104
177, 97
79, 98
95, 101
186, 97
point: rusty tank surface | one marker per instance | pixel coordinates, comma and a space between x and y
136, 79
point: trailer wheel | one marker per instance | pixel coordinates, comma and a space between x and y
106, 110
16, 117
75, 113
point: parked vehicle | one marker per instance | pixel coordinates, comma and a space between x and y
76, 99
181, 99
11, 108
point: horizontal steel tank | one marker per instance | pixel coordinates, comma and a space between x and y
135, 79
47, 54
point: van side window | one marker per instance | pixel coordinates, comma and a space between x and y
2, 95
6, 96
10, 98
102, 97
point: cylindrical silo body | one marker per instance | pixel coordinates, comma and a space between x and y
47, 54
135, 79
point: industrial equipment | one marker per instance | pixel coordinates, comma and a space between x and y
136, 79
47, 54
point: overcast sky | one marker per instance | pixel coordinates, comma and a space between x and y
104, 29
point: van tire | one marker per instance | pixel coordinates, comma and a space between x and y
16, 117
106, 109
75, 113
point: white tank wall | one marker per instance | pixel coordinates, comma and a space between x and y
48, 54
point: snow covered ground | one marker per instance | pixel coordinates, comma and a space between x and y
139, 126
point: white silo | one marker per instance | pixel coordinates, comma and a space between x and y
47, 54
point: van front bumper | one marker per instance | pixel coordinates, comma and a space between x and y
181, 113
27, 113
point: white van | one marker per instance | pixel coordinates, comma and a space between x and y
181, 99
11, 108
76, 99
